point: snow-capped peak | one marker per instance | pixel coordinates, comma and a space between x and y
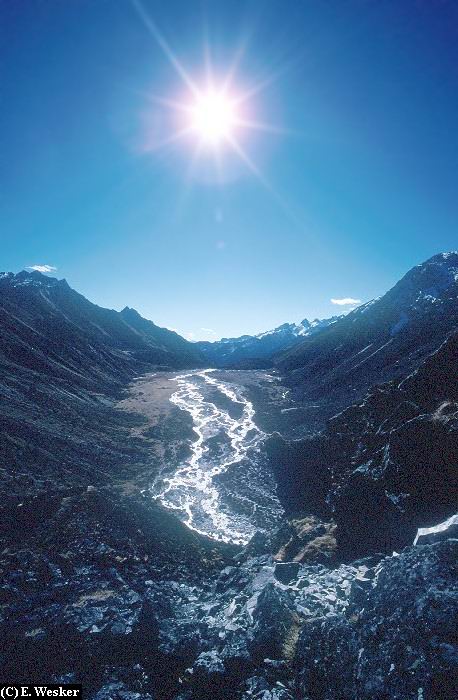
303, 328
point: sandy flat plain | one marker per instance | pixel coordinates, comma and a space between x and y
150, 395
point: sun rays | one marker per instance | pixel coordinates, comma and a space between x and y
212, 116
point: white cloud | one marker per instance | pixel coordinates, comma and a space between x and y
42, 268
346, 301
208, 330
190, 335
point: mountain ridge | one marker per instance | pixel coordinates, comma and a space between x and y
70, 327
378, 341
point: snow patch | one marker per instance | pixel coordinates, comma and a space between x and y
440, 527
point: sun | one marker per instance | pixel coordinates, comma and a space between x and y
213, 117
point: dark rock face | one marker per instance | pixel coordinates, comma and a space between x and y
85, 590
397, 641
326, 659
302, 473
384, 339
372, 630
286, 572
384, 467
275, 621
240, 634
416, 599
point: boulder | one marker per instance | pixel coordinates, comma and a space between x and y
286, 572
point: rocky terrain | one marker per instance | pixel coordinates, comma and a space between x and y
103, 585
390, 460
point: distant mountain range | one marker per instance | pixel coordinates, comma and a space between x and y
258, 350
56, 330
48, 327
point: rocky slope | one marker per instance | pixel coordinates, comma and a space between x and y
47, 327
396, 638
371, 630
62, 359
135, 618
87, 574
381, 340
258, 351
389, 461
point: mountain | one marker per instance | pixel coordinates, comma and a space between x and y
181, 352
74, 466
380, 340
389, 460
62, 362
47, 327
257, 351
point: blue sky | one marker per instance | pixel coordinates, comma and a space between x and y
359, 186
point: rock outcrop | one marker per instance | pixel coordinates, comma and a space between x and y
384, 467
371, 630
397, 638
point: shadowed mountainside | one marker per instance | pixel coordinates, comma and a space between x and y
384, 467
62, 359
381, 340
47, 327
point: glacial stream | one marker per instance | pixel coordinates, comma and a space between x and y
224, 489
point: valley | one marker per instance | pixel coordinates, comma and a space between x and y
216, 478
173, 530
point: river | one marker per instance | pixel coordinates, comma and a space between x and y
224, 488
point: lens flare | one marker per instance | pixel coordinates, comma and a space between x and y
213, 114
